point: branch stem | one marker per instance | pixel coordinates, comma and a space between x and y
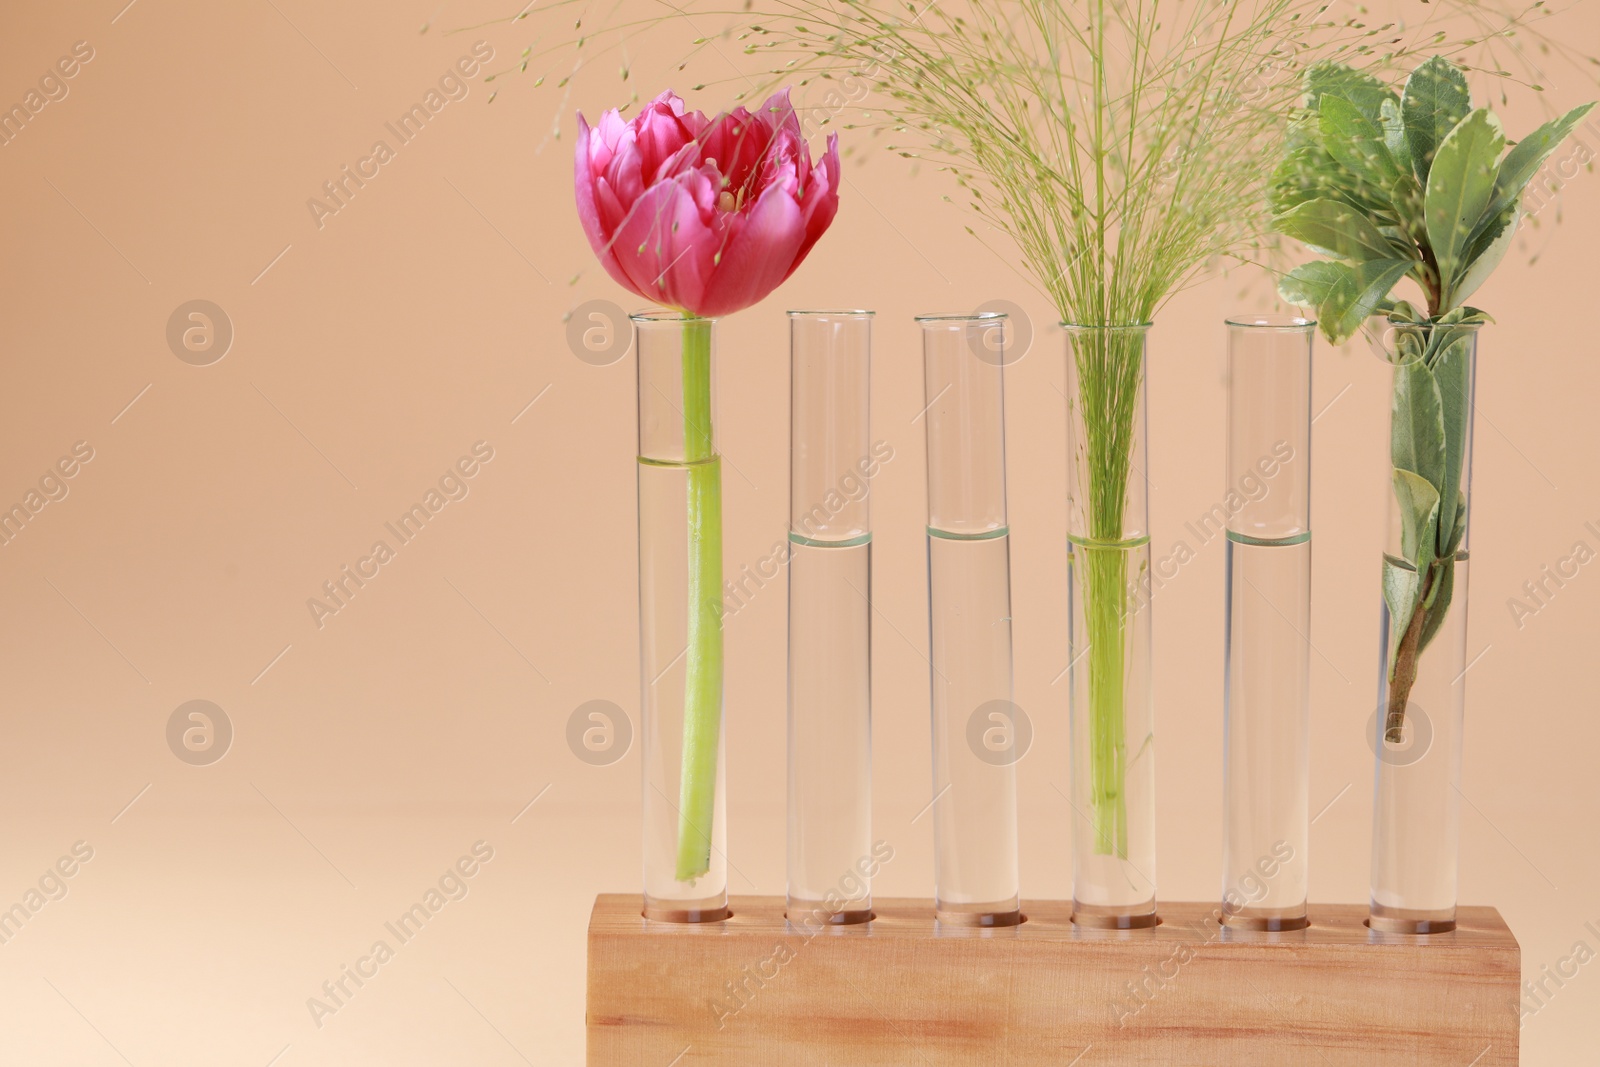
1404, 675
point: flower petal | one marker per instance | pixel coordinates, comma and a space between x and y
589, 208
779, 115
819, 202
660, 133
759, 252
665, 249
738, 141
625, 170
612, 129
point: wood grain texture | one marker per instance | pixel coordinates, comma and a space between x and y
755, 991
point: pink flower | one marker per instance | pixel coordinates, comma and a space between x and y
704, 215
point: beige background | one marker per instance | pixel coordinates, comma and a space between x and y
369, 754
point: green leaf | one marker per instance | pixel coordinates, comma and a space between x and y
1402, 588
1408, 345
1452, 377
1369, 286
1308, 172
1357, 142
1419, 517
1405, 312
1407, 198
1335, 79
1416, 425
1439, 596
1310, 284
1444, 577
1529, 154
1456, 316
1301, 176
1458, 191
1336, 229
1394, 132
1343, 295
1488, 248
1459, 527
1408, 333
1435, 101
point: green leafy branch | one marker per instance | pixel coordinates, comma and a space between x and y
1420, 186
1428, 423
1389, 187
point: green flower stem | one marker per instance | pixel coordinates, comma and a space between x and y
702, 686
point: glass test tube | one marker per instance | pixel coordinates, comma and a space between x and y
1266, 510
975, 723
832, 460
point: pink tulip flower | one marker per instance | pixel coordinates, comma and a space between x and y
704, 215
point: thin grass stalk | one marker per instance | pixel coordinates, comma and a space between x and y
1109, 364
